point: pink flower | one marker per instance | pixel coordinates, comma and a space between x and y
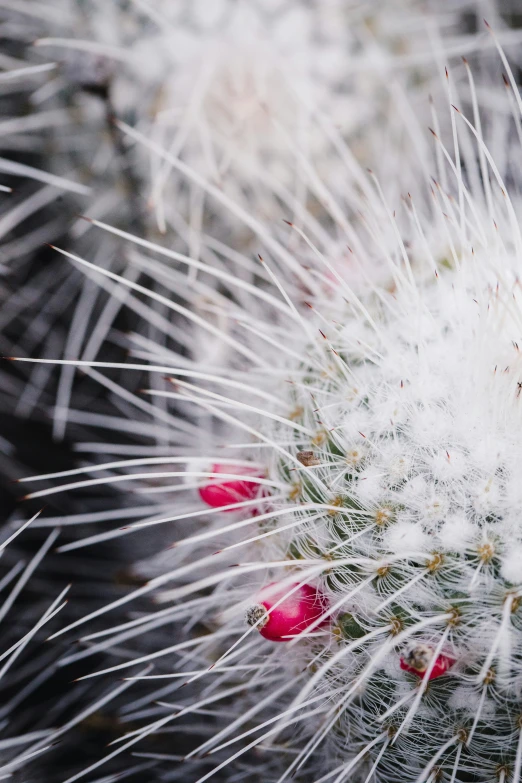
417, 660
293, 614
218, 493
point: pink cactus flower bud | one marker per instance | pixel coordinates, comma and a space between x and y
218, 493
417, 658
291, 616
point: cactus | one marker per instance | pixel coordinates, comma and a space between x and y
361, 618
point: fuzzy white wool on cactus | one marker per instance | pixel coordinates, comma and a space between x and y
383, 428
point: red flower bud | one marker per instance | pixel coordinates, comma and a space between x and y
417, 659
227, 491
292, 615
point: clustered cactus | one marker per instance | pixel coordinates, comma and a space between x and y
335, 447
